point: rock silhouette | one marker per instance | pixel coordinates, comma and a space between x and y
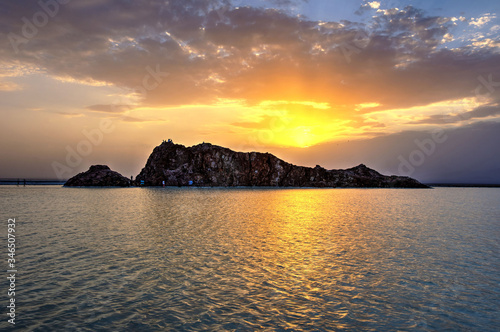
98, 176
208, 165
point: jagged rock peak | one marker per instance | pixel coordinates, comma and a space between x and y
211, 165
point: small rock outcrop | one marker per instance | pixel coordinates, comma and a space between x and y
98, 176
208, 165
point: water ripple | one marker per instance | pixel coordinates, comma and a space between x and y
246, 260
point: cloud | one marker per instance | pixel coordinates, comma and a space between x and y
68, 114
486, 43
482, 20
9, 86
110, 108
480, 112
138, 120
287, 2
250, 54
367, 6
118, 111
13, 69
484, 111
374, 4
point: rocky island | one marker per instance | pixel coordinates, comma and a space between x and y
207, 165
98, 176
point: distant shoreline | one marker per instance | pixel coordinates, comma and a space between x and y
36, 182
31, 182
464, 185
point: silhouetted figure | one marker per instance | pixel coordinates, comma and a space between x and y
24, 183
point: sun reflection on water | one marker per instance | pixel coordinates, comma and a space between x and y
259, 259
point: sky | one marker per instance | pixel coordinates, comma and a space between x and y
405, 87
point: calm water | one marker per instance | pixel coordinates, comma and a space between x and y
241, 259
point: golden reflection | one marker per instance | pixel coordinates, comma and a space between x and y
293, 219
301, 235
288, 238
